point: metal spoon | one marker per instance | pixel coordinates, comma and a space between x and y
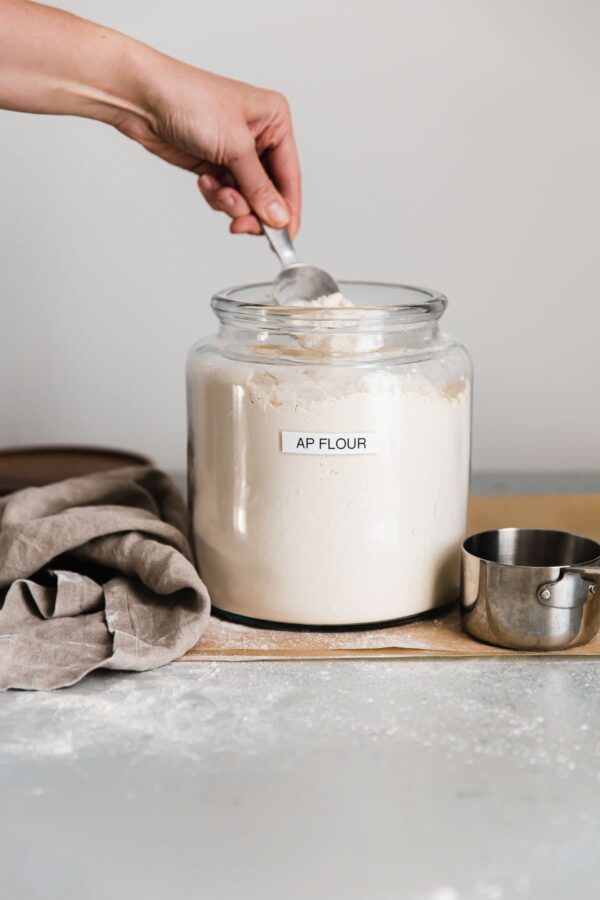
296, 281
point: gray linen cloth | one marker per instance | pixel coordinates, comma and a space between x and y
95, 572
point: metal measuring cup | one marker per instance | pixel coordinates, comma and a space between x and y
530, 589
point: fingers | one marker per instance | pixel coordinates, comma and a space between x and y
258, 179
246, 225
223, 198
227, 199
284, 167
258, 189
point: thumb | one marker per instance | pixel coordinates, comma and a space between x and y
259, 190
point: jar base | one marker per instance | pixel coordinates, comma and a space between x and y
359, 626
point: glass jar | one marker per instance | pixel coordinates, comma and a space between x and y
329, 452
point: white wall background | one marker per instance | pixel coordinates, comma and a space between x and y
450, 144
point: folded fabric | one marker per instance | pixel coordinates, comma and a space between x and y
95, 572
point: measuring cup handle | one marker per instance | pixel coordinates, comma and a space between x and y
591, 570
573, 588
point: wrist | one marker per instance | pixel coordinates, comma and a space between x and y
116, 80
158, 82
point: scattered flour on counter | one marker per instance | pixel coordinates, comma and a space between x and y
474, 711
444, 893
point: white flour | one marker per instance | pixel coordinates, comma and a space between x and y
327, 539
332, 344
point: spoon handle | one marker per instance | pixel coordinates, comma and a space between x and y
281, 244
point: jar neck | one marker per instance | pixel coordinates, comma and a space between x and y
335, 341
371, 320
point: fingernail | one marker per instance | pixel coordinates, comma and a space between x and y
277, 213
208, 183
229, 200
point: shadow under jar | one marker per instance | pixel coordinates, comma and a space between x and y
329, 452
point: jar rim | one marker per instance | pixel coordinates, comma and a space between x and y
426, 306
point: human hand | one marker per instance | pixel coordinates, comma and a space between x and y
237, 138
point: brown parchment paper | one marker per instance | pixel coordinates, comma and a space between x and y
428, 638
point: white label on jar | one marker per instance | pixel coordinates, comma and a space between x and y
321, 442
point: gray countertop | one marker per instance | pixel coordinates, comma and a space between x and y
433, 780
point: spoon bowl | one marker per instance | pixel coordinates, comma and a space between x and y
297, 282
300, 282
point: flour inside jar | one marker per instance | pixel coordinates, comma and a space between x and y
334, 340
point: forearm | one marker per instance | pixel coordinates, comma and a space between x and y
54, 62
237, 137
